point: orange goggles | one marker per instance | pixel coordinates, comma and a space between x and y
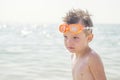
74, 28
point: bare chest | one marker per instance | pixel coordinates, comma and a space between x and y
80, 69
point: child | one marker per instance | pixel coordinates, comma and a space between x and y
77, 31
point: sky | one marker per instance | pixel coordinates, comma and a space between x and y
52, 11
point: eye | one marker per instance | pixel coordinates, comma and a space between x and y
75, 37
65, 37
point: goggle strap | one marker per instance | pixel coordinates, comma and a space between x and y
88, 28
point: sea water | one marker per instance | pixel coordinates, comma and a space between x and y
37, 52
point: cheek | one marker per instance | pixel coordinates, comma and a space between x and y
80, 43
65, 43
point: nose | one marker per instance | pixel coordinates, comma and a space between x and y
69, 42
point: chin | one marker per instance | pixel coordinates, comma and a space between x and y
71, 51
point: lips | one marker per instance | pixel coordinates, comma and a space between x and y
70, 48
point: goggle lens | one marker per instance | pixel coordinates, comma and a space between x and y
74, 28
63, 28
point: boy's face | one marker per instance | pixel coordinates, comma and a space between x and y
75, 43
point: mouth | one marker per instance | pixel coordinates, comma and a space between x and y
70, 48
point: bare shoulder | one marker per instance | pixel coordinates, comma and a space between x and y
96, 66
94, 57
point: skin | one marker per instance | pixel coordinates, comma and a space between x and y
86, 64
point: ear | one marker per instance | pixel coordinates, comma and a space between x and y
90, 37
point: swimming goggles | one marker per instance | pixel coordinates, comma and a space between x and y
74, 28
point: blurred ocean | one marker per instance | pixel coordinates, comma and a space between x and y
37, 52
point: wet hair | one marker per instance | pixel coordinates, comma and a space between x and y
77, 15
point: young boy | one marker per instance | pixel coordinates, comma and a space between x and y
77, 31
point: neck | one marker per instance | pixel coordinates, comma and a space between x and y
83, 52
